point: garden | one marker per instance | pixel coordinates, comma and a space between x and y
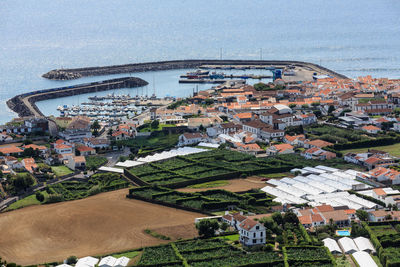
207, 201
73, 189
208, 252
95, 162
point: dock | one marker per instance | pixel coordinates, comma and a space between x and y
243, 76
206, 81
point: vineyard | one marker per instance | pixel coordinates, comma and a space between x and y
203, 253
213, 165
385, 237
97, 183
210, 200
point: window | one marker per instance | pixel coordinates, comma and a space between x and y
254, 241
261, 234
254, 235
257, 227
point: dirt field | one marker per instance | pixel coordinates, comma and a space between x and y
97, 225
236, 185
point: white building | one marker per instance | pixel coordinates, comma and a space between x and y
87, 262
251, 233
347, 244
332, 245
364, 259
364, 244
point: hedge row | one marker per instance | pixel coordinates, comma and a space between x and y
379, 202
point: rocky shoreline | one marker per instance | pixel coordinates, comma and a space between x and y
66, 74
24, 104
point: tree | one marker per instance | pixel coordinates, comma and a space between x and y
388, 217
72, 260
95, 125
39, 196
331, 109
207, 228
261, 87
290, 217
317, 113
304, 106
201, 128
110, 132
315, 104
224, 226
362, 215
292, 105
154, 124
209, 101
277, 217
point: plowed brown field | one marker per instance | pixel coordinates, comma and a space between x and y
104, 223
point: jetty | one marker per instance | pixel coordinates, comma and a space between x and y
24, 104
66, 74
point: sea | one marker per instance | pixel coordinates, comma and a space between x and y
355, 38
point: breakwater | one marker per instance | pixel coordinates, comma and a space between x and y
24, 104
66, 74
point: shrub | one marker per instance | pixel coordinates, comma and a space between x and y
72, 260
39, 196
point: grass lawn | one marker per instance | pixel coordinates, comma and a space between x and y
210, 184
25, 202
130, 254
394, 150
61, 170
160, 126
234, 237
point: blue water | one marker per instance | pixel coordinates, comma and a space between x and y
343, 232
355, 38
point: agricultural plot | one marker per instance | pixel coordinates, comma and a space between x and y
211, 252
206, 201
385, 236
308, 256
97, 183
214, 165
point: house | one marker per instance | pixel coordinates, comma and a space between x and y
234, 220
120, 135
371, 129
195, 123
251, 233
191, 138
43, 150
77, 130
4, 137
383, 215
243, 117
268, 134
317, 153
252, 149
63, 149
11, 150
338, 217
307, 119
254, 126
75, 162
311, 220
317, 143
382, 174
29, 164
85, 150
280, 149
293, 139
99, 143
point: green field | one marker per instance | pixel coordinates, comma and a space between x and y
25, 202
95, 161
394, 150
210, 184
61, 170
160, 127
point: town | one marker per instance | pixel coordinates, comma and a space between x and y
284, 173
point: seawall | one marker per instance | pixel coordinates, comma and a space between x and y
24, 104
66, 74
